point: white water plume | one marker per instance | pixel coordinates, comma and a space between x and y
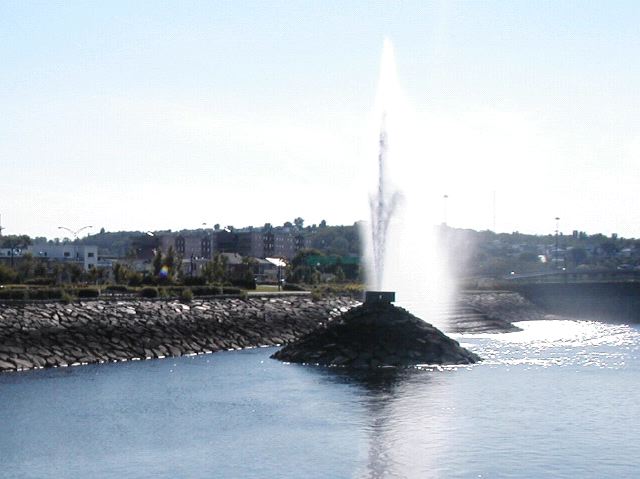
401, 247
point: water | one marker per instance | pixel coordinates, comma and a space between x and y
400, 247
556, 400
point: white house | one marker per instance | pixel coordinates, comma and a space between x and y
80, 254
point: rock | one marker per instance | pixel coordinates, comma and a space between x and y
22, 363
6, 366
53, 334
11, 349
373, 335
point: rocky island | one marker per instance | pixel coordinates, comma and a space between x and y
376, 334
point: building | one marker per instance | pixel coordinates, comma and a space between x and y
278, 242
82, 255
197, 245
10, 256
145, 246
269, 242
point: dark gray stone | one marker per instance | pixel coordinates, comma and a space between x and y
376, 334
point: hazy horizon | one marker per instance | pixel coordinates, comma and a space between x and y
149, 116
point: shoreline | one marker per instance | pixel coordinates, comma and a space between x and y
86, 332
42, 334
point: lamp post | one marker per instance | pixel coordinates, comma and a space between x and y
444, 207
75, 237
74, 232
557, 241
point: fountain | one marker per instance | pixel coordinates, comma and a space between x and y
377, 333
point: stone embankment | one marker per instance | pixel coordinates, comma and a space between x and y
37, 335
490, 312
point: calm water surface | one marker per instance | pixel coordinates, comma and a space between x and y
560, 399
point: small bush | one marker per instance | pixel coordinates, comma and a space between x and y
149, 292
118, 288
292, 287
87, 293
135, 279
39, 281
231, 290
186, 295
45, 293
7, 275
13, 294
206, 290
174, 291
66, 297
195, 281
245, 283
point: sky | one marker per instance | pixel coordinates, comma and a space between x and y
167, 115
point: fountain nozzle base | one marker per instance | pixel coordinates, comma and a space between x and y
385, 297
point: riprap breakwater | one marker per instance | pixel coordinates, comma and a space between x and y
36, 335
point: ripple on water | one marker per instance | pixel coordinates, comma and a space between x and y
558, 343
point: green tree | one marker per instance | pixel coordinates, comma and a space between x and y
339, 275
69, 272
528, 257
300, 270
578, 255
7, 274
121, 273
96, 275
15, 241
157, 263
40, 269
25, 267
609, 248
340, 246
299, 222
172, 262
215, 271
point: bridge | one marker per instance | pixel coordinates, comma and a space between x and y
580, 276
610, 295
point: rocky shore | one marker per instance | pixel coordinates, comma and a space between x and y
376, 334
37, 335
48, 334
490, 312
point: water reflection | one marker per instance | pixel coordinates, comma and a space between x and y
240, 414
404, 425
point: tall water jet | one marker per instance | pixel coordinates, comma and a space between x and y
400, 241
382, 207
379, 334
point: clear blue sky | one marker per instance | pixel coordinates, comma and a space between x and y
154, 115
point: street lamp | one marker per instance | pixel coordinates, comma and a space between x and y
74, 232
75, 237
444, 202
557, 240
